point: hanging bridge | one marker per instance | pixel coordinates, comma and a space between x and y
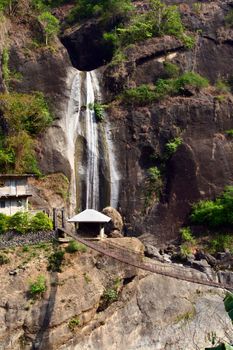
138, 260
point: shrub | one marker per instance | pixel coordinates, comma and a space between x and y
104, 8
19, 222
74, 246
186, 235
40, 222
172, 146
73, 323
98, 110
221, 242
29, 112
154, 184
229, 132
192, 79
161, 19
24, 116
110, 295
142, 94
185, 249
56, 260
50, 24
215, 213
3, 223
37, 288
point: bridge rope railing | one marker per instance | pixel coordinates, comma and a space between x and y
138, 260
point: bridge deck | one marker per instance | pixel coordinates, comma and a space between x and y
130, 257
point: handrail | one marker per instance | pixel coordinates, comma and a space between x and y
138, 260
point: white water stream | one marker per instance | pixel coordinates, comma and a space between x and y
88, 128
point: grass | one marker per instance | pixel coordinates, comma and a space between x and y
146, 94
73, 323
74, 247
38, 287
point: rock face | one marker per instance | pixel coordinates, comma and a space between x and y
155, 312
115, 226
202, 165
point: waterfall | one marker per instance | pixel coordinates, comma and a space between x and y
81, 123
71, 129
92, 179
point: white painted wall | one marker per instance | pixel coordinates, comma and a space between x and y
12, 206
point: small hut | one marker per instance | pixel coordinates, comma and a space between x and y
90, 223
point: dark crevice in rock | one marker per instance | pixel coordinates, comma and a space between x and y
128, 280
158, 54
86, 46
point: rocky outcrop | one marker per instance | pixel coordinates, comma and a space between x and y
155, 312
115, 226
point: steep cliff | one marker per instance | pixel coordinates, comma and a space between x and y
201, 166
99, 303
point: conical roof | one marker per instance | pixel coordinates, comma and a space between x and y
90, 215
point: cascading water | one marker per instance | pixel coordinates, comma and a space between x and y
92, 179
81, 123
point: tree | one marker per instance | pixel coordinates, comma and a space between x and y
50, 24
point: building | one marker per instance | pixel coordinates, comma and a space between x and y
14, 193
90, 223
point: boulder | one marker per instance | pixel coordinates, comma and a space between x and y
116, 224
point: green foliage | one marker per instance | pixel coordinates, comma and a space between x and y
23, 222
25, 115
4, 259
229, 132
141, 95
222, 86
41, 222
110, 295
186, 235
56, 260
98, 109
160, 20
171, 69
220, 243
106, 9
192, 79
38, 287
50, 24
7, 6
154, 184
3, 223
73, 323
172, 146
74, 246
185, 249
145, 94
215, 213
19, 222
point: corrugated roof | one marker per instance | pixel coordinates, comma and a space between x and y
90, 215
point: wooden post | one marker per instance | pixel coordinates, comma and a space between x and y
54, 219
63, 217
